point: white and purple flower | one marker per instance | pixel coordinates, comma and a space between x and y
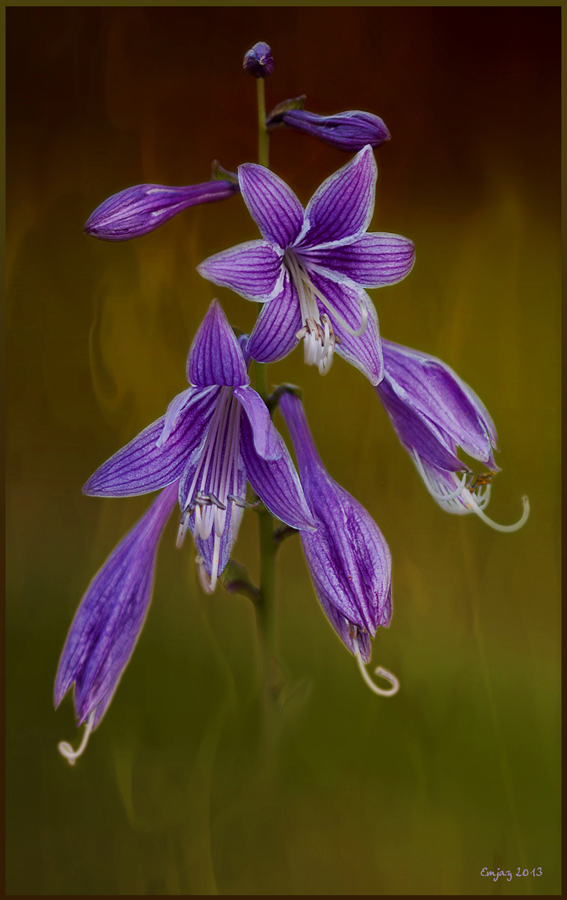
348, 557
434, 412
312, 266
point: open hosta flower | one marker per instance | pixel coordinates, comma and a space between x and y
311, 269
144, 207
350, 130
109, 620
349, 560
214, 436
433, 413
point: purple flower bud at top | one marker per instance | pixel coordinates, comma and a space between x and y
144, 207
351, 130
259, 61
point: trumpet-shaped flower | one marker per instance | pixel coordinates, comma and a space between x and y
348, 557
312, 266
111, 615
433, 413
214, 436
144, 207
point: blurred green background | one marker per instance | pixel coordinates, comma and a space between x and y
370, 796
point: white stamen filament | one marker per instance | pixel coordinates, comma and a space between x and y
67, 751
317, 332
383, 673
214, 481
462, 500
358, 332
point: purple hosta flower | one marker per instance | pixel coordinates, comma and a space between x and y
349, 560
144, 207
311, 269
350, 130
109, 620
259, 61
214, 436
434, 412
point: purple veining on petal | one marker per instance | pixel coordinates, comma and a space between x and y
349, 559
350, 130
254, 270
364, 352
143, 465
342, 206
143, 208
372, 260
274, 334
215, 357
275, 482
267, 441
272, 204
112, 612
418, 434
434, 392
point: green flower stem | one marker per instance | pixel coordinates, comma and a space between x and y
263, 136
265, 606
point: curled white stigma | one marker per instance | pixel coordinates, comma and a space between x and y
462, 499
67, 751
383, 673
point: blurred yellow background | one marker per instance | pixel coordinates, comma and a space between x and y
458, 772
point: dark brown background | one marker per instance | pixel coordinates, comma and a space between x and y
460, 771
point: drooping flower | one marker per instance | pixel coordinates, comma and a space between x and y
434, 412
214, 436
109, 620
348, 557
350, 130
311, 269
258, 61
143, 208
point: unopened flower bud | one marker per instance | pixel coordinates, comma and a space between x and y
144, 207
259, 61
351, 130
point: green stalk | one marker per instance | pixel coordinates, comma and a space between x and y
263, 136
265, 607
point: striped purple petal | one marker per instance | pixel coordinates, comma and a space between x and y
431, 389
348, 558
365, 351
419, 434
342, 206
372, 260
267, 441
254, 270
274, 334
144, 464
111, 615
272, 204
275, 481
215, 356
